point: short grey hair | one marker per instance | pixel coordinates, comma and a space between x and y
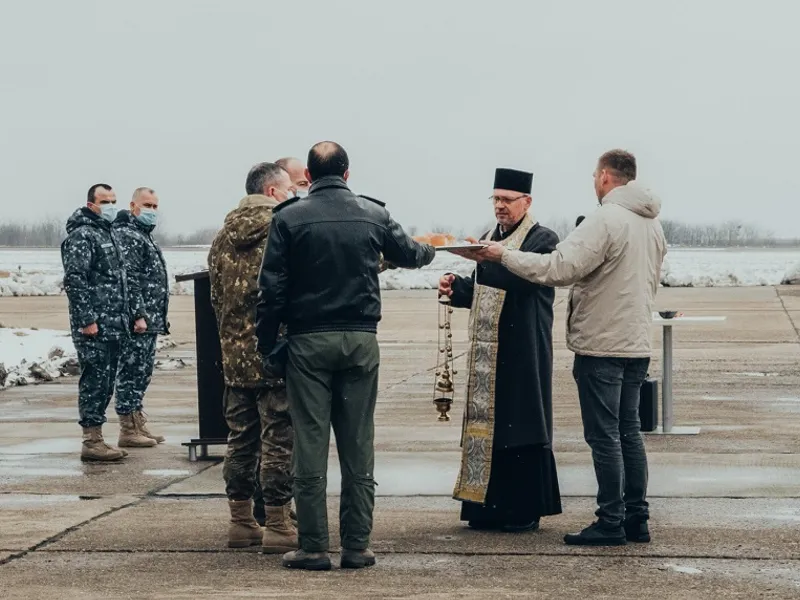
262, 175
286, 161
142, 190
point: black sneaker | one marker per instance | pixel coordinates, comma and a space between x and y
597, 535
521, 527
636, 530
310, 561
357, 559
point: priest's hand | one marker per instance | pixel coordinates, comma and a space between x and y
470, 254
492, 253
446, 285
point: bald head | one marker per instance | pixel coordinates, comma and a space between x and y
297, 173
327, 159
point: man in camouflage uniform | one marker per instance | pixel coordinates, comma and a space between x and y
300, 184
96, 287
255, 405
149, 298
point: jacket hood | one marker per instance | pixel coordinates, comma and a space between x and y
636, 199
83, 217
248, 224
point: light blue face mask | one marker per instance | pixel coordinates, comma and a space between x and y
148, 217
301, 193
108, 212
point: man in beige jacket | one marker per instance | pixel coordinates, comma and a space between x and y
613, 261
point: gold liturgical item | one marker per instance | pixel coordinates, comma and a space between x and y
444, 388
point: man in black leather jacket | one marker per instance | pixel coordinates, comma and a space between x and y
320, 277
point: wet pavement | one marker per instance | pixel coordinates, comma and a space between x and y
725, 503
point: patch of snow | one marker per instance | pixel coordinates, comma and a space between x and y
683, 569
25, 272
30, 356
792, 276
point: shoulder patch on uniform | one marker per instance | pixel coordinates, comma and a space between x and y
375, 200
285, 203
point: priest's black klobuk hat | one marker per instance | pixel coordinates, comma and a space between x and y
510, 179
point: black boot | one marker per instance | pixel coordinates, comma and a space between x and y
597, 534
357, 559
310, 561
480, 525
521, 527
636, 530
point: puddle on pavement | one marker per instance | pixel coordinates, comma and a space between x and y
28, 500
167, 472
44, 446
399, 475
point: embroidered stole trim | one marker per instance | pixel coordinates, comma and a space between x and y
477, 435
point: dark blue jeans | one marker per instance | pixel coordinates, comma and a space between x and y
609, 390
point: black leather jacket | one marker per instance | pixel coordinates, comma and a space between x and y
320, 269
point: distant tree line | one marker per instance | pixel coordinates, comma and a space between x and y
49, 233
729, 234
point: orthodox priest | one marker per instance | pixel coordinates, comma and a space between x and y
508, 478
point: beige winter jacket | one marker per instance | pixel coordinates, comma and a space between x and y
614, 261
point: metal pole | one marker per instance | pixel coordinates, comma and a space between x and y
666, 400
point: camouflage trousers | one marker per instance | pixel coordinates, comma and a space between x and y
260, 426
135, 372
99, 361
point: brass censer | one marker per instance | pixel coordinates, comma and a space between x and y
444, 388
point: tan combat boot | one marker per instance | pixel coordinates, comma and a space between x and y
129, 435
280, 532
94, 447
141, 423
243, 531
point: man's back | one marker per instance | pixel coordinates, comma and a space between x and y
234, 261
320, 271
610, 309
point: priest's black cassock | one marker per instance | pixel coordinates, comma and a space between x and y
515, 482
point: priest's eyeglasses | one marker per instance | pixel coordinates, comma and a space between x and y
504, 200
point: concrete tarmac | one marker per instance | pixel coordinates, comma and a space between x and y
725, 503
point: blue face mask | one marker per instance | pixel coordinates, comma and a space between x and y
301, 193
148, 217
108, 212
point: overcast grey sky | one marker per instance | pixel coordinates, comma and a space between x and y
427, 98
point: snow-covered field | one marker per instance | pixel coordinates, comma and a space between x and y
29, 356
25, 272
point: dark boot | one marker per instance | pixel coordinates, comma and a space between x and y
521, 527
478, 525
310, 561
357, 559
636, 530
597, 534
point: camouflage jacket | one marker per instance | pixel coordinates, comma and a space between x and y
148, 286
233, 264
94, 277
